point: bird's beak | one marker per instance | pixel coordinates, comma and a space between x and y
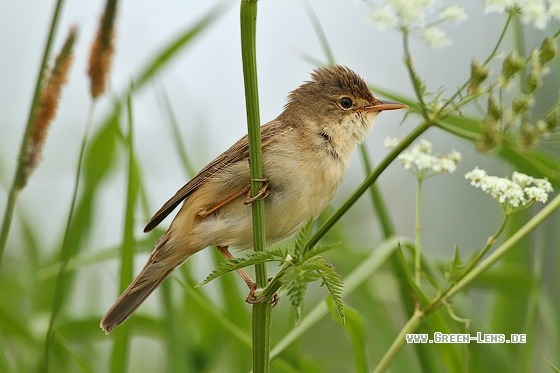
381, 105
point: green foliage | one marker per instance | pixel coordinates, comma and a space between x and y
305, 266
239, 263
455, 268
299, 267
209, 329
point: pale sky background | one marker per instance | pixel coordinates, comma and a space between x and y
206, 90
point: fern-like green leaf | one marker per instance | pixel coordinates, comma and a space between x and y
301, 238
419, 85
456, 267
238, 263
319, 249
296, 286
332, 281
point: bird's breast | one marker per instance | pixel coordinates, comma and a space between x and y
302, 184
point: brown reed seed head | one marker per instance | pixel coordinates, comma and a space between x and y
102, 50
45, 110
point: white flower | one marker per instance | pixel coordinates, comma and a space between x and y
536, 194
476, 176
453, 13
512, 193
544, 184
384, 17
446, 165
534, 11
406, 159
435, 37
515, 194
455, 156
497, 6
424, 162
420, 160
554, 8
521, 179
425, 146
404, 13
390, 142
411, 12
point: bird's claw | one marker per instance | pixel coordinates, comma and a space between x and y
252, 299
261, 194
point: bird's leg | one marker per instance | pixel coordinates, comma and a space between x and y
204, 213
261, 194
248, 280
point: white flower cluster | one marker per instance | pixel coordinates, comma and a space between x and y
412, 13
535, 12
519, 192
420, 160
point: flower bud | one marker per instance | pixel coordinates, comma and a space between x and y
489, 138
548, 50
479, 73
528, 137
534, 81
521, 103
512, 64
551, 120
494, 109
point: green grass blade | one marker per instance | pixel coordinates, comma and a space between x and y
18, 177
120, 348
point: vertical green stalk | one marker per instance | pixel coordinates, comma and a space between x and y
486, 247
66, 251
417, 252
18, 177
261, 311
119, 358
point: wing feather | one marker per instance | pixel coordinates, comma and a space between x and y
238, 152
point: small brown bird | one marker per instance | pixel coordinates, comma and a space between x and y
305, 154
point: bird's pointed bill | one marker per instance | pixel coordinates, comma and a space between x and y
381, 105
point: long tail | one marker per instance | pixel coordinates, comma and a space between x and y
153, 274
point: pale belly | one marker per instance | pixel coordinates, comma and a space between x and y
299, 192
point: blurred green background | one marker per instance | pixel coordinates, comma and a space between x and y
195, 95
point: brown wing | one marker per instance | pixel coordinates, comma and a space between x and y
238, 151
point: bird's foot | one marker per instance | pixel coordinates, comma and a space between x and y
261, 194
252, 299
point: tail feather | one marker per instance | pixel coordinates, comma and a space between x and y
167, 255
132, 298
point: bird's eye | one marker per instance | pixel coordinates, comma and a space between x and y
345, 102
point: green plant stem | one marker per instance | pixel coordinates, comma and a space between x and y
466, 279
119, 357
66, 249
19, 174
486, 62
379, 205
364, 186
417, 252
412, 324
262, 314
489, 244
411, 73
